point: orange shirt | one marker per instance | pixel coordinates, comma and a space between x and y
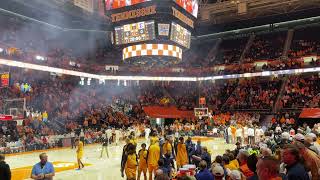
233, 130
282, 120
246, 171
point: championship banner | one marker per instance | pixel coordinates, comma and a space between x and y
6, 117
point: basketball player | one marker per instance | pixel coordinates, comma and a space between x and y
79, 145
153, 156
129, 163
147, 131
142, 155
117, 136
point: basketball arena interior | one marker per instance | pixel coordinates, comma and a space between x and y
160, 89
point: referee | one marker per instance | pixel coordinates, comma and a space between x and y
105, 143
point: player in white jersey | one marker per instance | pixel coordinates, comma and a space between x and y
109, 133
147, 132
118, 136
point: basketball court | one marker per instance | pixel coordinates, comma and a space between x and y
64, 160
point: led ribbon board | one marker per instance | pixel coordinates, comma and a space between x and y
152, 50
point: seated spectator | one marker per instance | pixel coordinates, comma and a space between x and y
218, 172
235, 175
204, 173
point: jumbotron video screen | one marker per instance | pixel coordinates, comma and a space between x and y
191, 6
135, 32
115, 4
180, 35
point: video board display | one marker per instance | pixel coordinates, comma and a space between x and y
115, 4
180, 35
135, 32
191, 6
163, 29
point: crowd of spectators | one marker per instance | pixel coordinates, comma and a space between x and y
254, 94
266, 46
299, 91
305, 43
230, 51
26, 42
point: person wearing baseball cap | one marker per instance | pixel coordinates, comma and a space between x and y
218, 172
299, 137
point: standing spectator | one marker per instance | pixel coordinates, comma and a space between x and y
204, 173
204, 156
5, 173
311, 160
268, 168
250, 135
252, 165
73, 136
43, 170
295, 170
243, 159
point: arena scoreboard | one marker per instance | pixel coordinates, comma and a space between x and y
4, 79
135, 32
180, 35
144, 28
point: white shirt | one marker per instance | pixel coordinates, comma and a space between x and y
245, 131
147, 131
278, 129
118, 133
214, 130
81, 134
229, 131
250, 132
109, 133
239, 132
259, 132
72, 134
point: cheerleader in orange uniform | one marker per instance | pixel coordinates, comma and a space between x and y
79, 144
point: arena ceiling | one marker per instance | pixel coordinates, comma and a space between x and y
214, 15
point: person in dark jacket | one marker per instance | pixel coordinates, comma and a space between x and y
5, 173
204, 173
295, 169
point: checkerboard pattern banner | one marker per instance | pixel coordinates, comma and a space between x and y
152, 50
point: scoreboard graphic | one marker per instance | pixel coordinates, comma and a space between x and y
135, 32
152, 32
4, 80
180, 35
